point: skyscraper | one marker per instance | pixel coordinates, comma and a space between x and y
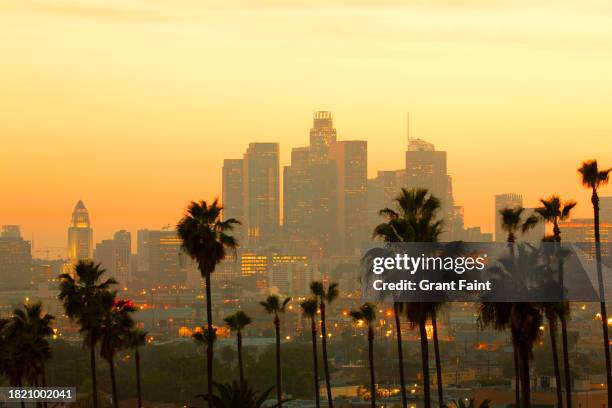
351, 162
160, 258
322, 136
381, 191
80, 235
115, 255
232, 189
15, 259
261, 193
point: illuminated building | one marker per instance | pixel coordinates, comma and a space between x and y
114, 256
15, 259
80, 235
351, 159
254, 268
322, 136
261, 193
289, 274
232, 192
297, 198
161, 261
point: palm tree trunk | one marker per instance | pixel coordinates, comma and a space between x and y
400, 353
279, 390
209, 337
602, 299
563, 319
240, 367
425, 364
517, 371
552, 325
434, 323
313, 329
138, 384
330, 401
566, 366
372, 374
113, 383
94, 381
525, 378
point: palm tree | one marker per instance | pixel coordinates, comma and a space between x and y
397, 311
117, 324
205, 238
414, 220
417, 315
367, 313
553, 211
522, 318
82, 301
594, 178
239, 395
325, 297
136, 339
552, 314
237, 322
309, 310
513, 222
273, 305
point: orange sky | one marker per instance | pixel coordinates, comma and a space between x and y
131, 105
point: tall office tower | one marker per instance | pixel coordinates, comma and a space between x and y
232, 192
351, 161
322, 136
115, 256
582, 230
161, 260
297, 198
261, 193
80, 235
605, 209
15, 259
382, 190
426, 168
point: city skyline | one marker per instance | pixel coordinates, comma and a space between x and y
105, 230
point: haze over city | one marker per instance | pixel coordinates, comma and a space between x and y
136, 112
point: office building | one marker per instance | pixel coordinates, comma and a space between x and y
350, 158
507, 200
261, 193
115, 256
15, 260
232, 193
161, 261
322, 136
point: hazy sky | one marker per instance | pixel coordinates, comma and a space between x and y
132, 105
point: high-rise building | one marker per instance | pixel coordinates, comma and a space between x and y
254, 270
115, 255
297, 198
161, 261
232, 192
382, 190
322, 136
261, 193
15, 259
351, 162
287, 272
582, 230
80, 235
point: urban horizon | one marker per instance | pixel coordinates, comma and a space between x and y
53, 241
